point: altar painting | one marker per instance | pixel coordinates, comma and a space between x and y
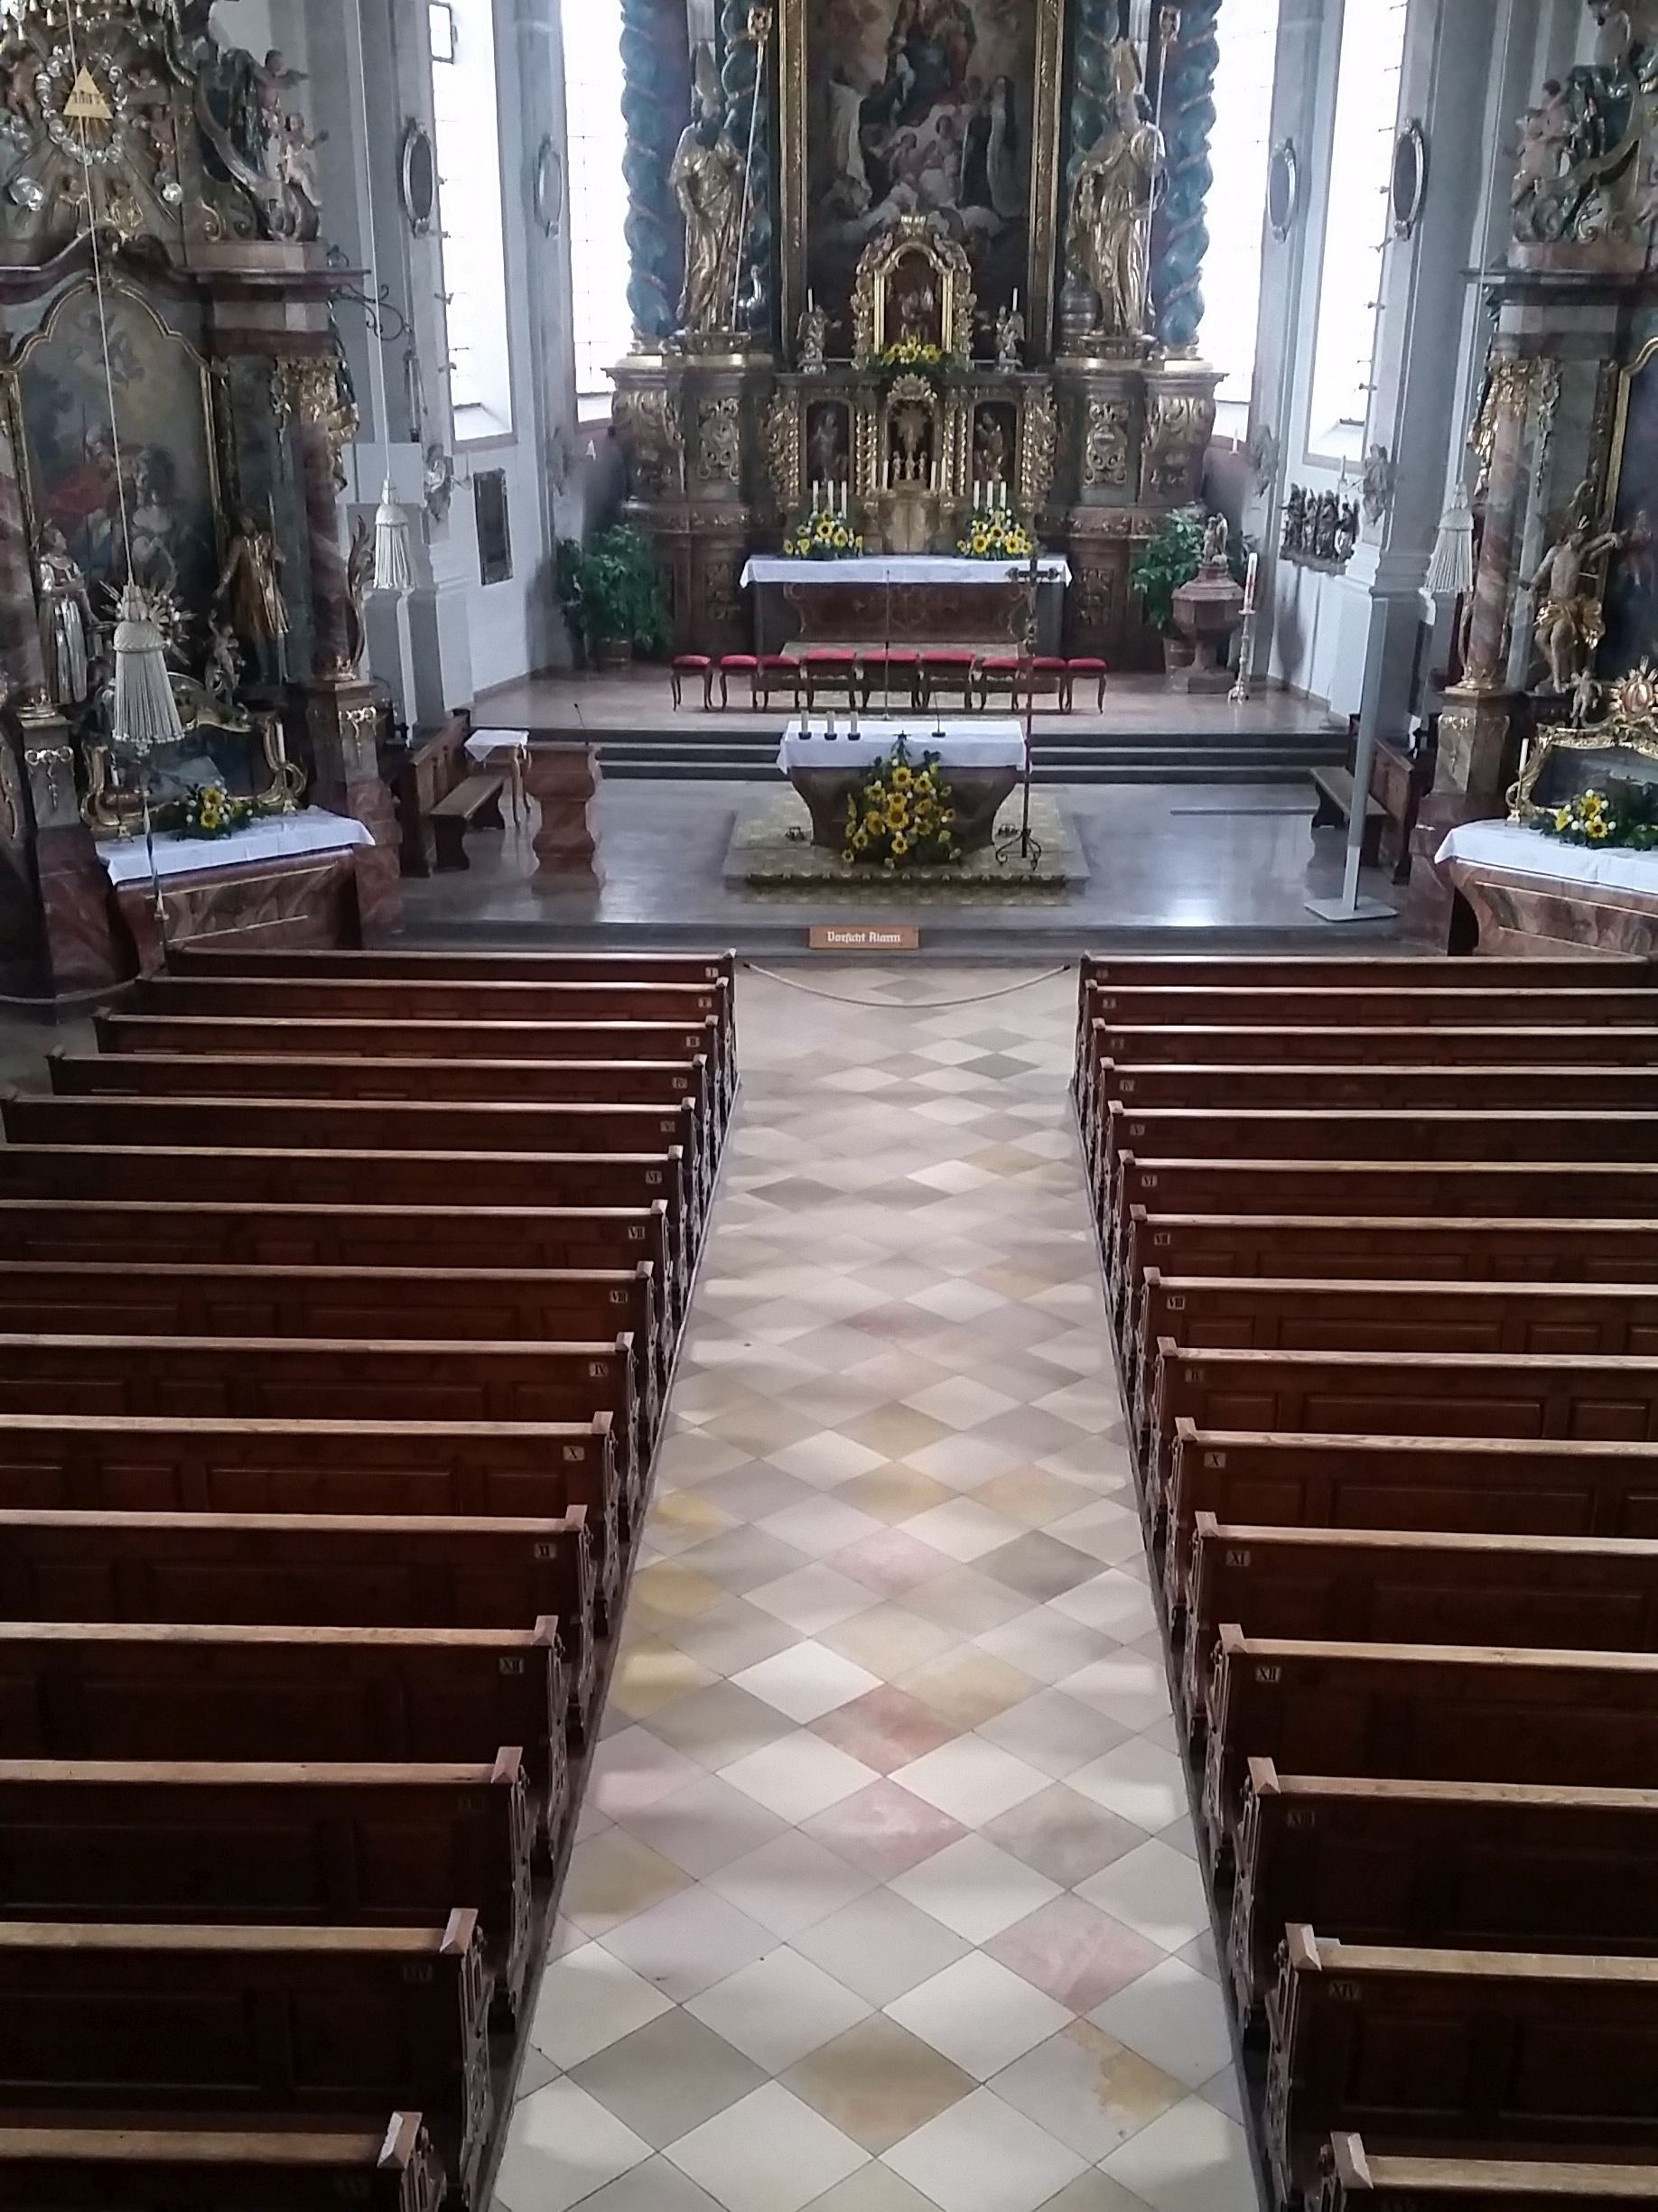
1631, 607
145, 479
944, 108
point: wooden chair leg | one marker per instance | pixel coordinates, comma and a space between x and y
725, 694
1102, 704
678, 694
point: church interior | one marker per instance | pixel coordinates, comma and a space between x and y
828, 953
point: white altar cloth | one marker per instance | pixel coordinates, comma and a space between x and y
982, 743
1528, 852
484, 744
898, 569
279, 837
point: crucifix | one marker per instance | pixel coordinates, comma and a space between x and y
1021, 843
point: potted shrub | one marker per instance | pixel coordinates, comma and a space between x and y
617, 587
1172, 558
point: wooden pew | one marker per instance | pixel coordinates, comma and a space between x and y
1429, 1712
80, 1690
1491, 1866
352, 1847
1396, 1394
372, 1125
1603, 1320
324, 2023
1544, 1487
1480, 1088
309, 1570
123, 1298
1457, 2051
217, 2168
1451, 1587
1466, 1002
303, 1178
246, 1233
1353, 2179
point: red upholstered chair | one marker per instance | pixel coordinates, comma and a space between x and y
1047, 674
1001, 672
738, 665
1088, 670
776, 672
948, 670
894, 671
830, 668
686, 664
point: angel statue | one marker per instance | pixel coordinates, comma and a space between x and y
66, 621
813, 336
708, 178
1112, 203
1010, 337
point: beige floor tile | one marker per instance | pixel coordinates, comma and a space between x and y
779, 2008
1090, 2091
975, 1889
654, 1674
799, 1775
878, 2083
1174, 2016
1192, 2159
790, 1884
881, 1947
586, 2001
893, 1491
614, 1876
1075, 1953
770, 2153
719, 1723
891, 1639
984, 2156
562, 2145
669, 2077
973, 1780
884, 1829
968, 1685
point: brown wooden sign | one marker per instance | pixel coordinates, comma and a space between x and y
865, 937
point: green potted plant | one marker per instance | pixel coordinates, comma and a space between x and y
617, 587
1172, 558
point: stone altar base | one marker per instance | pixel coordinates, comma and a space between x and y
771, 850
976, 795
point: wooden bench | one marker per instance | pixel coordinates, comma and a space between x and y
246, 1234
1495, 1866
400, 1470
1352, 2179
323, 2023
354, 1847
1390, 1586
1334, 809
1396, 1394
1431, 1711
474, 803
80, 1690
219, 2169
1612, 999
1542, 1487
1468, 2051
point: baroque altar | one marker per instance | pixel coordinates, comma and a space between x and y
920, 256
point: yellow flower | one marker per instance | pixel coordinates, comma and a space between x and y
900, 844
902, 779
1598, 828
846, 854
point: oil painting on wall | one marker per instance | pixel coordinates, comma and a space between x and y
920, 107
1632, 585
159, 493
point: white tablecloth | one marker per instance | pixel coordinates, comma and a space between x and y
279, 837
484, 744
896, 569
1528, 852
982, 743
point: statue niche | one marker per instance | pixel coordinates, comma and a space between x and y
914, 282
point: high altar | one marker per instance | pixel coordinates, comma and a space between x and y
929, 256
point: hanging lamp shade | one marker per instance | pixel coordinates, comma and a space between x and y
392, 569
146, 713
1450, 572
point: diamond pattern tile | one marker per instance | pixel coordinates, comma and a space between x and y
885, 1898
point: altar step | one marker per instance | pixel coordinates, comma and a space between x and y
1062, 757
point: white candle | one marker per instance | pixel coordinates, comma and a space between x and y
1249, 583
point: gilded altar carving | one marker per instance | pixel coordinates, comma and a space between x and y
1179, 426
719, 441
782, 447
650, 426
1108, 432
722, 593
1039, 449
913, 282
312, 390
1630, 722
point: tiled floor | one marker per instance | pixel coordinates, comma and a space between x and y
886, 1898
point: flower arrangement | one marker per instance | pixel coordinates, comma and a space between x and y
1629, 820
914, 356
996, 533
823, 536
211, 811
902, 815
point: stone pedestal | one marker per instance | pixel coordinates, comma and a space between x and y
563, 780
1479, 744
342, 721
1207, 611
77, 941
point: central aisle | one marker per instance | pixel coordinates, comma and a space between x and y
886, 1899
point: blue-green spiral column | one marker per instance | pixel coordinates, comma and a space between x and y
1180, 237
1095, 24
748, 97
655, 108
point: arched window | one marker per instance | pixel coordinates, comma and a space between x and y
468, 157
1240, 148
603, 324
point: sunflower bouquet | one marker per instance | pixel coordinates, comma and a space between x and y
996, 533
211, 811
823, 537
902, 815
1591, 819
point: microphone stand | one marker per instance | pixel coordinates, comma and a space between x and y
1021, 844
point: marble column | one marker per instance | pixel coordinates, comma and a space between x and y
1180, 237
311, 397
1510, 402
655, 108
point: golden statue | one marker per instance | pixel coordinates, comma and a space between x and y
1112, 201
708, 178
1570, 624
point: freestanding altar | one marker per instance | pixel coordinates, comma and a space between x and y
924, 256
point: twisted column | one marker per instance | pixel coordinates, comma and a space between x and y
748, 97
1180, 238
656, 108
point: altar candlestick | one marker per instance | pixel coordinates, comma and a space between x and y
1250, 584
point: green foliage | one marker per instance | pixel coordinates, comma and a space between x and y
610, 590
1626, 818
1173, 558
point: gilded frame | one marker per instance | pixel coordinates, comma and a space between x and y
1048, 89
1631, 726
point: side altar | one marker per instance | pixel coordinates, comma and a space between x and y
946, 287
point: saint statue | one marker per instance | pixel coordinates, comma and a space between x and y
66, 621
708, 178
1569, 624
812, 336
1112, 202
1010, 338
251, 587
222, 678
1216, 536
